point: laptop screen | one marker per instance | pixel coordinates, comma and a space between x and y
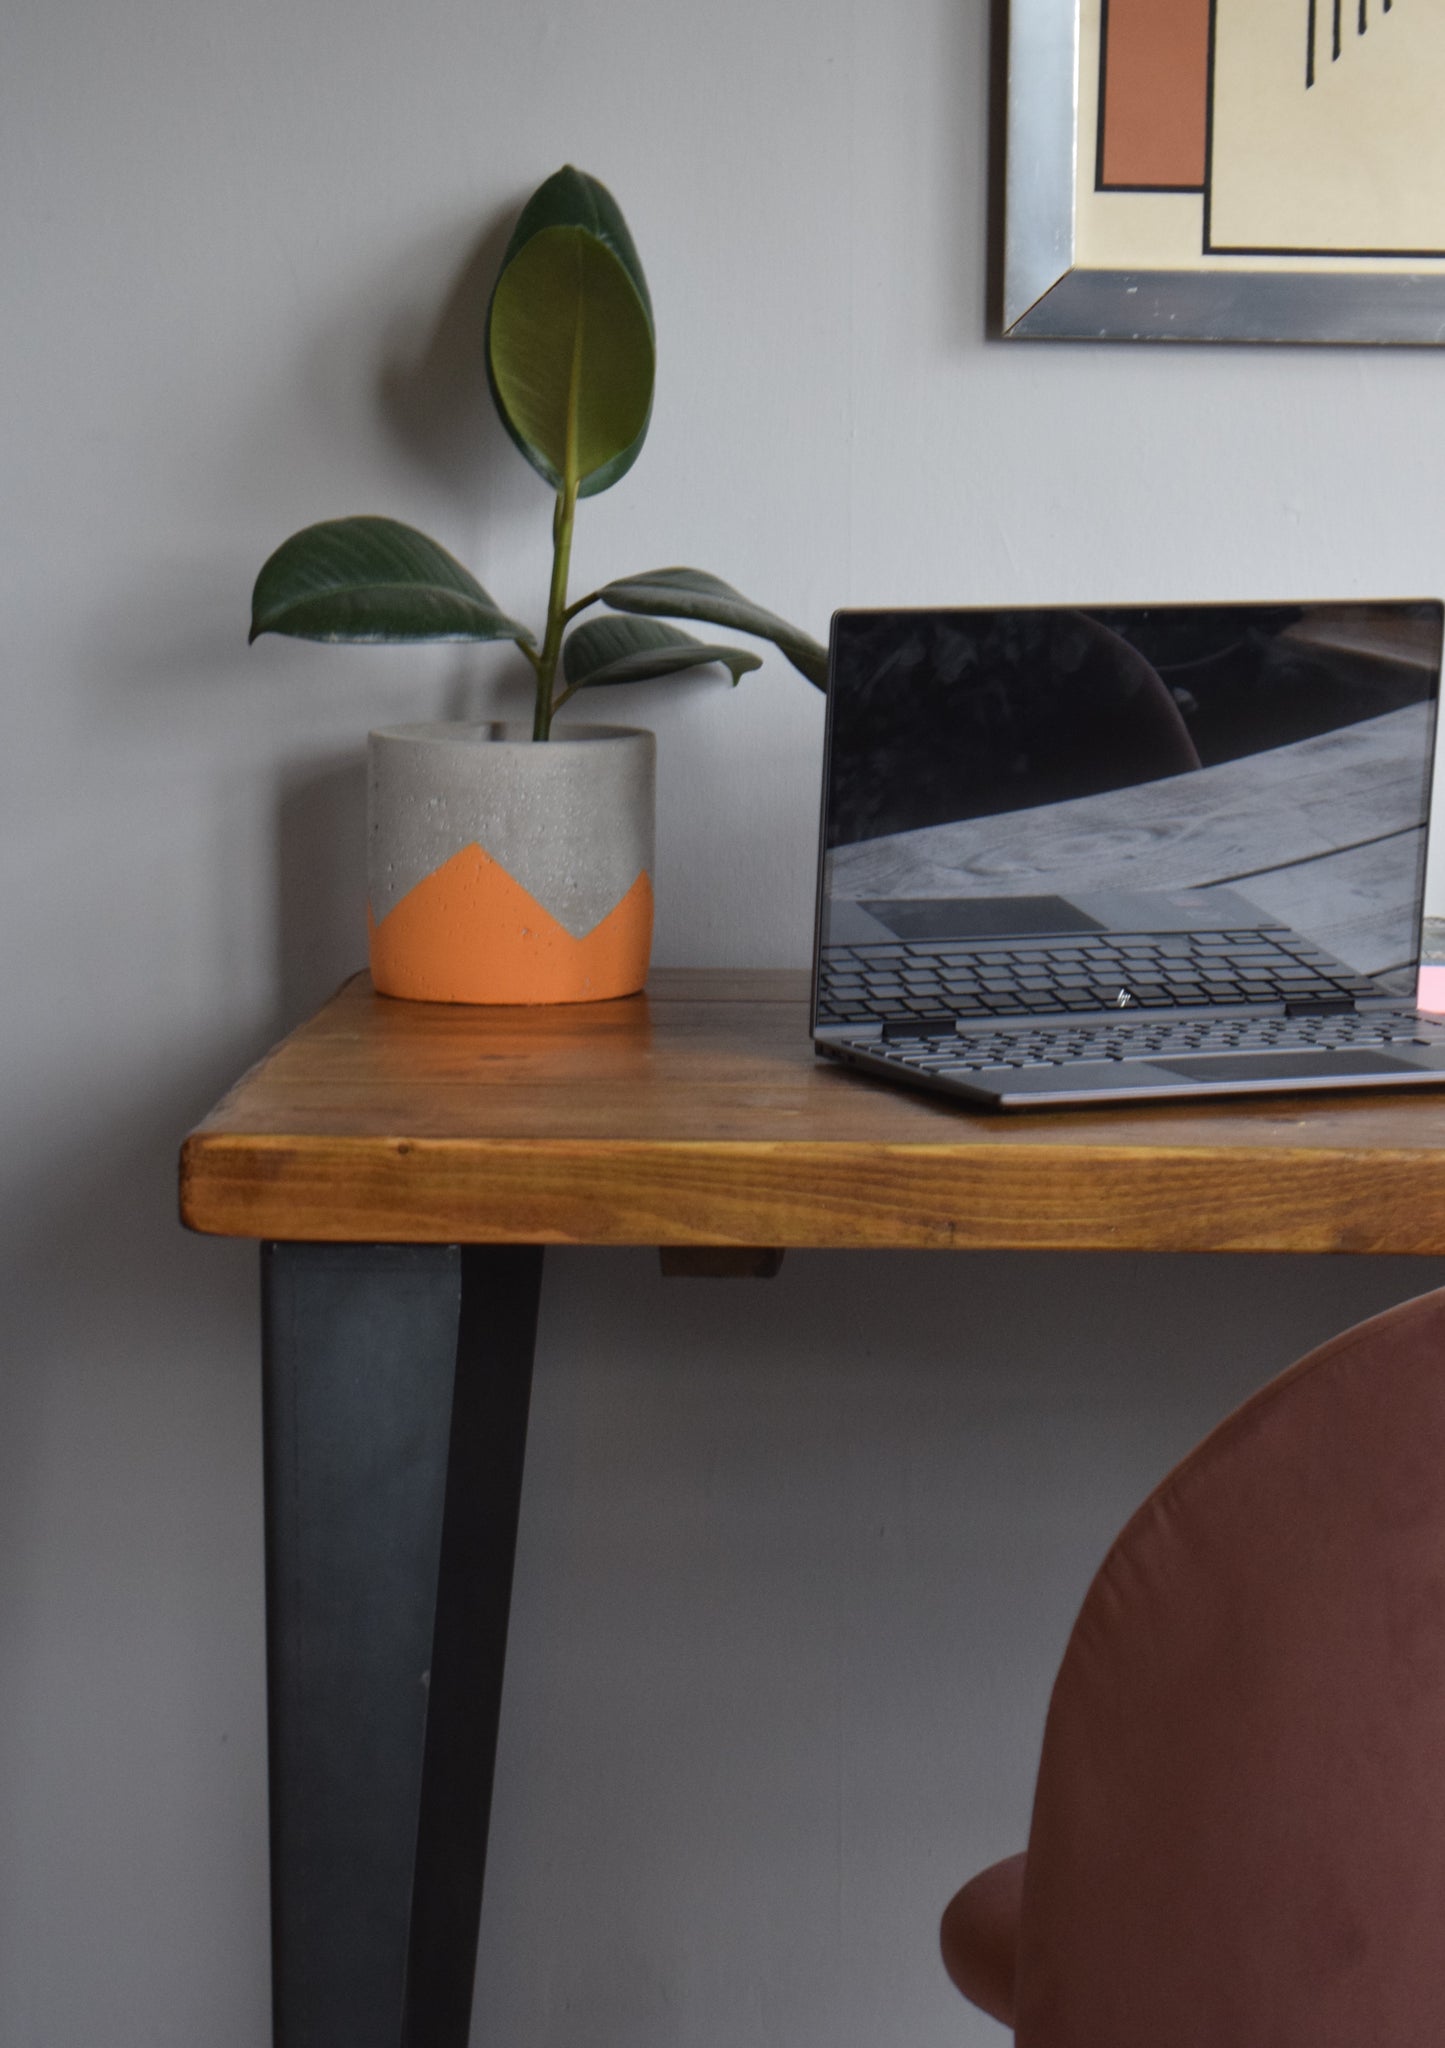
1024, 774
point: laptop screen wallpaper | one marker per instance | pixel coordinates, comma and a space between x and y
1022, 772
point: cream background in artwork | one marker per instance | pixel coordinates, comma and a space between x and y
1165, 230
1354, 162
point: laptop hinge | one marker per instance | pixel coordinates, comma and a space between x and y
837, 1027
1321, 1006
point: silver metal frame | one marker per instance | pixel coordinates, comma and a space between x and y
1046, 295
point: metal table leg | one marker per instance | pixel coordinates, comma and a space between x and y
396, 1388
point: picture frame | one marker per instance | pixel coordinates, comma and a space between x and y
1277, 125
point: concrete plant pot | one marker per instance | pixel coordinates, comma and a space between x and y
506, 870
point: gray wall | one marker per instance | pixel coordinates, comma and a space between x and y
797, 1558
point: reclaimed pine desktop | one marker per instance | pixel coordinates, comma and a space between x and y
404, 1165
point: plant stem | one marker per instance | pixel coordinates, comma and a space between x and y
562, 518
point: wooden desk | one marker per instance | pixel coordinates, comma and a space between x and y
404, 1164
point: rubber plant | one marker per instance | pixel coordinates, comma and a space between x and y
571, 352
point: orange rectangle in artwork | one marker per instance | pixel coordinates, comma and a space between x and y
1154, 94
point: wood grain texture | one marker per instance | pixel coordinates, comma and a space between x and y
698, 1115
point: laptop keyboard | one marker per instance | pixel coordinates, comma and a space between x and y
1032, 978
976, 1051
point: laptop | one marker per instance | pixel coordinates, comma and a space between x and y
1073, 855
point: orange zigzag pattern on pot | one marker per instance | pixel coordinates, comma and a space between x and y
470, 933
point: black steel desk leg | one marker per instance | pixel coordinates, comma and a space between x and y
396, 1389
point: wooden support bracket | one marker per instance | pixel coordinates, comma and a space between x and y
719, 1262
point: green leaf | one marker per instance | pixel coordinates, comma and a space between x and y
636, 651
570, 199
370, 579
570, 347
693, 594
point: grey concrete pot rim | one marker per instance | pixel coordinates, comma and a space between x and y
504, 733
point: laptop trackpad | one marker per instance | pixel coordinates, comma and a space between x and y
1281, 1066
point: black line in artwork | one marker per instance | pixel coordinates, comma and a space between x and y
1103, 88
1362, 23
1209, 127
1378, 255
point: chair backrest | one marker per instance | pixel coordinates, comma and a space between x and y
1238, 1837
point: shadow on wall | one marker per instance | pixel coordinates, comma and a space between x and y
320, 883
434, 396
433, 401
385, 374
435, 404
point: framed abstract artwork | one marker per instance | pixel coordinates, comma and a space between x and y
1225, 170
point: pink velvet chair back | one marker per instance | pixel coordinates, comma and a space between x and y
1238, 1837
